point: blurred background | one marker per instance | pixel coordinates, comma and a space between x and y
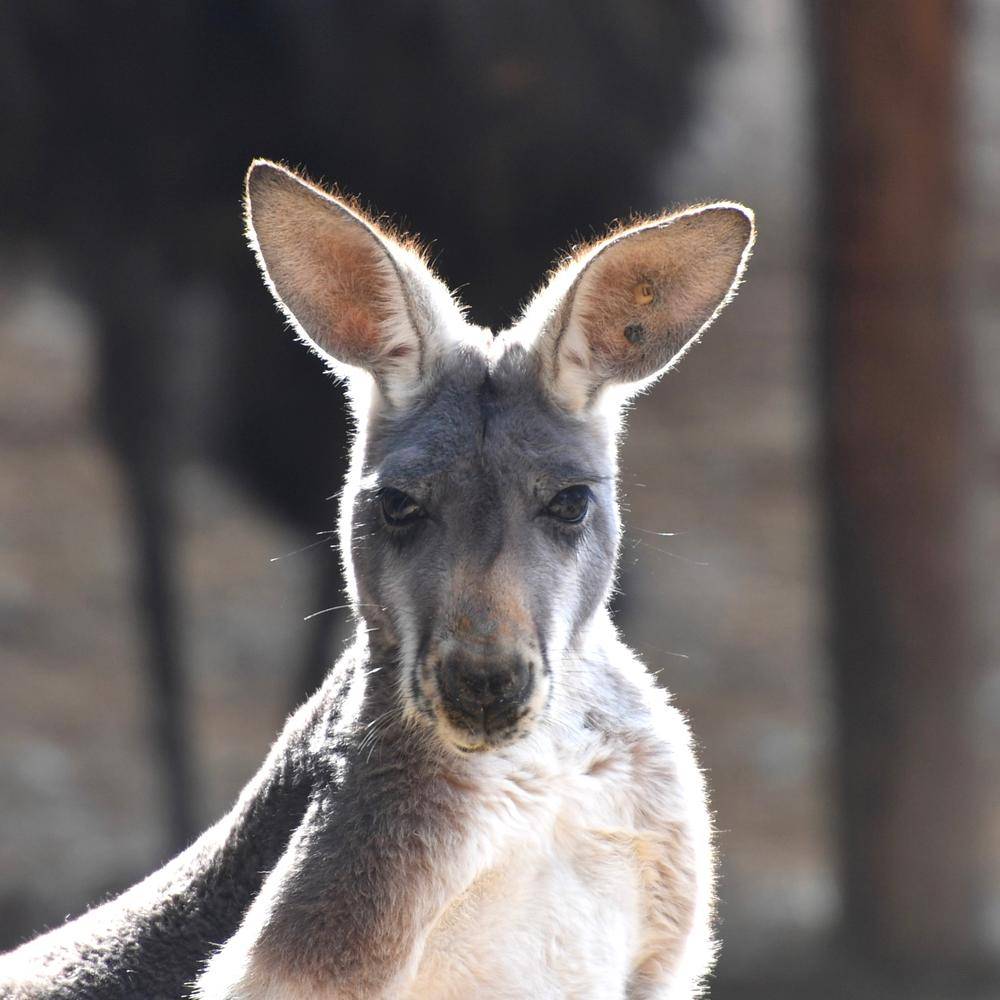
826, 605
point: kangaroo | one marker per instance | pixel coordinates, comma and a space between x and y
488, 796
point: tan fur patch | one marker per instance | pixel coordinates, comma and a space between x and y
642, 293
494, 600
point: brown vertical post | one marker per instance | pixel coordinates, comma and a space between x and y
896, 477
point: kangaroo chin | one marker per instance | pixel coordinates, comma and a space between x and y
488, 796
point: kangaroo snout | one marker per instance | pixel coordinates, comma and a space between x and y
485, 697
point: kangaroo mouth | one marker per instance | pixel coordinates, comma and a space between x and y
487, 732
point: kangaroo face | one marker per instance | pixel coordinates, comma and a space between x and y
484, 537
479, 528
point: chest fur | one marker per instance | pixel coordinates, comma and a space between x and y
566, 899
557, 919
565, 872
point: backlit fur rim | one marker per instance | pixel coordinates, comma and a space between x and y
581, 253
379, 222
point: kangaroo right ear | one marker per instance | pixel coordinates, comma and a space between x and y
355, 295
627, 309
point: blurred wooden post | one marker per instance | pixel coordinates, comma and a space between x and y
896, 454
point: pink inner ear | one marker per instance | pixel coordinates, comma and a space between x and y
622, 326
648, 294
353, 333
349, 286
329, 270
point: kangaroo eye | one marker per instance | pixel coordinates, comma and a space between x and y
571, 504
399, 508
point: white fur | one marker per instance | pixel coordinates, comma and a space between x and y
553, 890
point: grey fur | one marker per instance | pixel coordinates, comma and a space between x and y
485, 450
342, 849
150, 942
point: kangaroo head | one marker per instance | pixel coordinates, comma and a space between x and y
479, 526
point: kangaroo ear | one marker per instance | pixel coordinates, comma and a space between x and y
355, 295
627, 310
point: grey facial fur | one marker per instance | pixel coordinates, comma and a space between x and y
479, 577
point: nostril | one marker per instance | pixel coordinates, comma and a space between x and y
510, 683
461, 689
501, 684
478, 684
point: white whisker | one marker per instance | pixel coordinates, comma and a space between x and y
295, 552
325, 611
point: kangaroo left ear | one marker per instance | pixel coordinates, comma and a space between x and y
359, 298
626, 311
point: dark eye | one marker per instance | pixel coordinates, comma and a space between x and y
571, 504
399, 508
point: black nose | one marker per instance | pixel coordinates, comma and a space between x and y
485, 695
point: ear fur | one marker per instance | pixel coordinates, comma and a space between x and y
626, 309
358, 297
